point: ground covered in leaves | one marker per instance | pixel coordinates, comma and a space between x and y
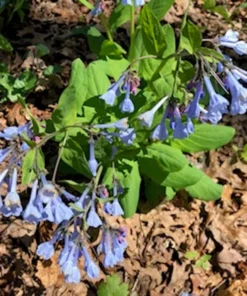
180, 246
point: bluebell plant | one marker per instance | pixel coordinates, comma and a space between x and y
215, 89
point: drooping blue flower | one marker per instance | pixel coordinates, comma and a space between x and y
180, 131
93, 218
160, 132
12, 203
68, 195
127, 105
92, 162
116, 209
240, 74
194, 109
238, 95
47, 191
91, 268
109, 258
4, 154
119, 246
97, 10
148, 116
121, 124
64, 254
128, 136
217, 105
230, 36
113, 91
11, 132
240, 47
46, 249
70, 267
32, 212
56, 211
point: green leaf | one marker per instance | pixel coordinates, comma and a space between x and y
186, 177
4, 44
95, 40
132, 181
206, 137
114, 68
74, 156
97, 79
153, 34
111, 49
113, 287
205, 189
158, 160
119, 16
72, 97
211, 53
208, 4
42, 50
76, 186
221, 10
86, 3
160, 7
191, 37
203, 262
34, 159
192, 255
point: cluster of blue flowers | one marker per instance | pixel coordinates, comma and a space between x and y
181, 123
50, 202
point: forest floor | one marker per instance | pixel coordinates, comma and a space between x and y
165, 243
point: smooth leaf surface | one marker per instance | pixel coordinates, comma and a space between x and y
119, 16
72, 98
205, 189
158, 160
74, 156
206, 137
153, 33
33, 159
160, 7
191, 37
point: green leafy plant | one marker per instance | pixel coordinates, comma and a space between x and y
125, 122
113, 287
14, 88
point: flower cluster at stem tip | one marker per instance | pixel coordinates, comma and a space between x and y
181, 122
73, 214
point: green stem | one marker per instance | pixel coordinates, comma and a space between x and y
96, 180
142, 58
59, 157
176, 75
132, 30
106, 26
